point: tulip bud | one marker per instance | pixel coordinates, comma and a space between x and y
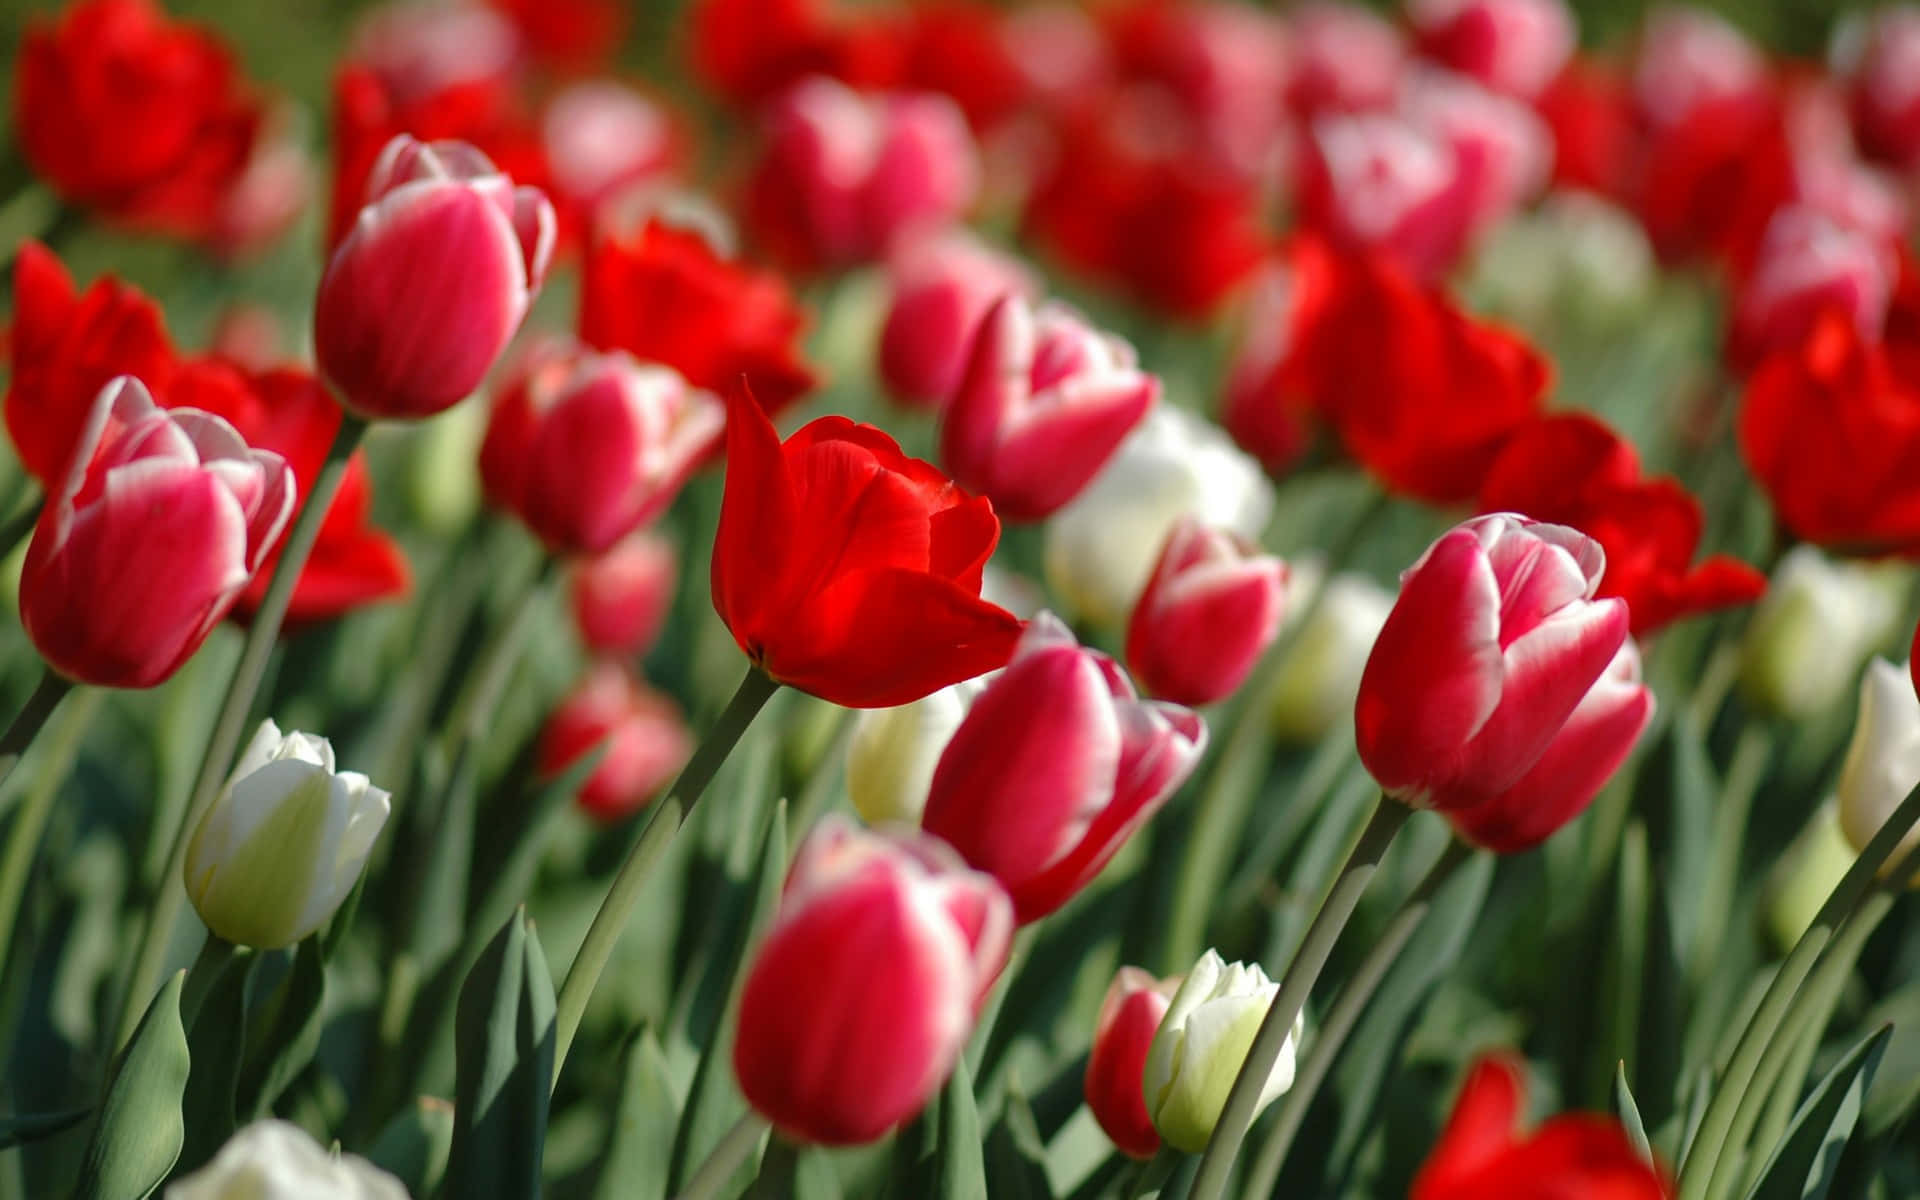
158, 526
1211, 609
893, 751
1101, 548
1045, 401
1512, 46
1319, 680
621, 598
860, 999
1268, 406
1809, 264
284, 843
1201, 1045
424, 293
1346, 58
942, 288
1690, 57
600, 136
1816, 625
1883, 759
276, 1160
586, 447
1377, 181
645, 736
1116, 1065
1054, 767
1502, 150
1885, 93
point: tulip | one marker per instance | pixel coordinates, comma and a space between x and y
1319, 679
645, 736
601, 137
1225, 65
1818, 623
1502, 150
587, 447
1490, 650
846, 569
161, 520
1201, 1045
1883, 91
1346, 58
1480, 1155
1379, 181
621, 598
1054, 767
422, 296
893, 752
1268, 402
1575, 259
942, 288
283, 844
1210, 610
1691, 58
1116, 1065
1809, 264
1512, 46
860, 999
1101, 548
277, 1160
1045, 401
1883, 759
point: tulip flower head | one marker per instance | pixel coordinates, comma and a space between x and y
1512, 46
1809, 264
1201, 1045
1883, 759
1210, 610
1316, 685
1819, 621
424, 293
282, 846
645, 736
893, 752
860, 999
160, 522
278, 1160
1116, 1065
1057, 764
621, 598
1346, 58
942, 288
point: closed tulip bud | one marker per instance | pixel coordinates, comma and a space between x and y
1202, 1043
646, 742
158, 526
1116, 1065
1377, 181
1211, 609
586, 447
1883, 759
435, 277
1045, 401
860, 999
1056, 764
1502, 150
277, 1160
942, 288
1512, 46
1101, 548
621, 598
284, 843
1496, 691
1816, 625
1809, 264
1319, 680
893, 751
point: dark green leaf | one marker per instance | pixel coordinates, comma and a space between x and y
1802, 1166
141, 1129
29, 1127
1630, 1113
503, 1069
959, 1165
215, 1046
415, 1144
640, 1146
282, 1040
1016, 1158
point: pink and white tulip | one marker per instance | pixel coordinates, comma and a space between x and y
1690, 57
1211, 609
1808, 265
1515, 47
1117, 1063
1346, 58
942, 288
1377, 181
1884, 85
646, 741
1502, 150
621, 597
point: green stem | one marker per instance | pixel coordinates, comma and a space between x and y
1301, 974
46, 697
1744, 772
215, 953
669, 813
1326, 1044
30, 819
1711, 1141
232, 722
1151, 1176
726, 1158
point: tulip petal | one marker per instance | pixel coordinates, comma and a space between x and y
751, 544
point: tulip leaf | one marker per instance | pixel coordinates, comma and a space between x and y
640, 1145
215, 1048
1803, 1165
1015, 1157
415, 1144
1630, 1113
284, 1035
504, 1026
960, 1171
141, 1128
790, 1172
31, 1127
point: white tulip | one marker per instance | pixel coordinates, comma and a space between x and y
1817, 624
1883, 759
276, 1160
893, 752
1202, 1044
1320, 676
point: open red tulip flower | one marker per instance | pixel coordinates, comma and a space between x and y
1500, 691
1268, 406
161, 520
1483, 1155
1571, 469
846, 569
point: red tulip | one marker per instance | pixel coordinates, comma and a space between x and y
1346, 58
1375, 181
141, 119
1481, 1154
1515, 47
1045, 401
1211, 609
1269, 398
665, 295
1572, 470
570, 35
422, 296
1809, 264
848, 570
1502, 151
1054, 767
942, 288
1710, 181
1589, 110
161, 520
602, 137
621, 598
860, 999
1117, 1063
1884, 93
1494, 642
1690, 57
646, 741
750, 50
587, 447
66, 348
965, 49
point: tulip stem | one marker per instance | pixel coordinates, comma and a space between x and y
669, 814
30, 818
726, 1157
1149, 1177
1710, 1143
157, 933
1333, 1032
46, 697
215, 953
1301, 974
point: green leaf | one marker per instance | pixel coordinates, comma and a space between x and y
503, 1069
31, 1127
790, 1172
415, 1144
1015, 1157
1803, 1164
141, 1128
959, 1165
1630, 1113
215, 1046
282, 1040
640, 1146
